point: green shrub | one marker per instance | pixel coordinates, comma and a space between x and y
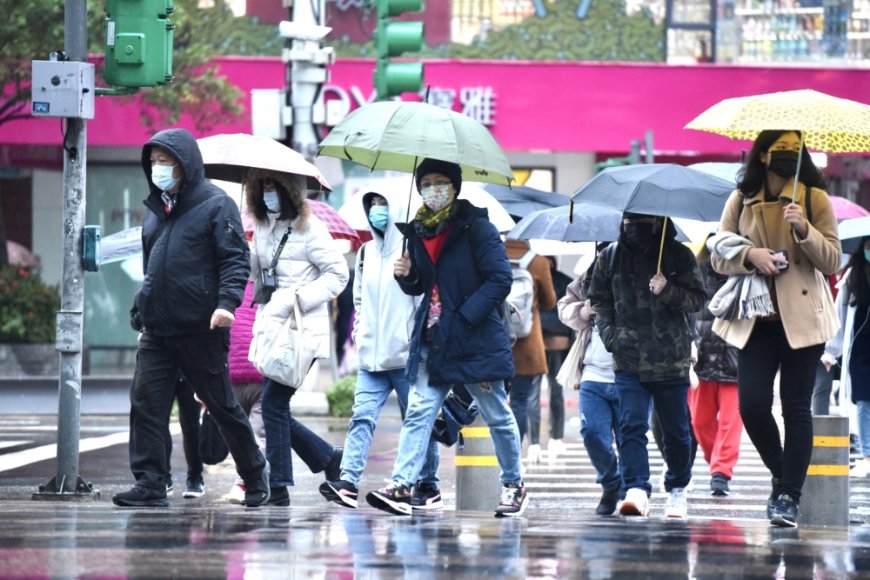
340, 396
28, 307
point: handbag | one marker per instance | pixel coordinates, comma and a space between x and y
267, 282
212, 446
280, 350
572, 369
459, 410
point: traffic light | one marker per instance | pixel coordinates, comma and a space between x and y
138, 43
393, 39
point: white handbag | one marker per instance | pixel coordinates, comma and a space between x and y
280, 350
572, 369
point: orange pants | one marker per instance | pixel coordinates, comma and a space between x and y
717, 424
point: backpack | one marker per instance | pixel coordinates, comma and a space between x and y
522, 296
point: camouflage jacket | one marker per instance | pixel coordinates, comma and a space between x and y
649, 336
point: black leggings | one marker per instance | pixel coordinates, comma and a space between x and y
757, 363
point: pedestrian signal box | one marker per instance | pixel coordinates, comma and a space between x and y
138, 43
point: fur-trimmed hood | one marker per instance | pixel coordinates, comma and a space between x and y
295, 187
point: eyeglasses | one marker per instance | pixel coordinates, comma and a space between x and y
436, 183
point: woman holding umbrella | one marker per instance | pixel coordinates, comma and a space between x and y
308, 270
456, 261
792, 240
853, 343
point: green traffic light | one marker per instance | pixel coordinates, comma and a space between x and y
394, 78
387, 8
394, 39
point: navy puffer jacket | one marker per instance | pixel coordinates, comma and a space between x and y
474, 278
195, 258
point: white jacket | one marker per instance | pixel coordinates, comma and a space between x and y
310, 267
384, 314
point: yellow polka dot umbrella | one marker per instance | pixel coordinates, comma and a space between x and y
827, 123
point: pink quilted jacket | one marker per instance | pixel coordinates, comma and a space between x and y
241, 370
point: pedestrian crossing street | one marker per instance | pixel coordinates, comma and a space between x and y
569, 482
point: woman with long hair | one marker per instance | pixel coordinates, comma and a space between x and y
853, 343
309, 271
790, 244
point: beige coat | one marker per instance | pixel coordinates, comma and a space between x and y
803, 295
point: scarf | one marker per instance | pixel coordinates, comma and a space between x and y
742, 296
429, 223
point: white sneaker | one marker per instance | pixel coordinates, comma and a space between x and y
636, 503
237, 494
555, 448
676, 506
534, 454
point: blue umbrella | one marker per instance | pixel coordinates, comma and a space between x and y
662, 189
520, 200
852, 231
591, 223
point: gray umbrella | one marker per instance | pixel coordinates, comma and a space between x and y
591, 223
662, 189
521, 201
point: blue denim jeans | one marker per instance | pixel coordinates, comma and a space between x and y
424, 403
671, 404
372, 391
599, 427
525, 392
864, 427
284, 433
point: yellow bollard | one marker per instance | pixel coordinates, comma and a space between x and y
825, 496
477, 470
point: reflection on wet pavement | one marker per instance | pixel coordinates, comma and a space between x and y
65, 541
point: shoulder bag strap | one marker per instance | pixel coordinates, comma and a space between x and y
280, 249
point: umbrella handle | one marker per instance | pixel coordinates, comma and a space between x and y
662, 245
797, 170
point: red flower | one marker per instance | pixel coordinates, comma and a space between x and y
30, 314
23, 272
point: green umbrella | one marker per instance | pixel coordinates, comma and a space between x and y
398, 135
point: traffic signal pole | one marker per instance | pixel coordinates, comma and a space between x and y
67, 484
306, 73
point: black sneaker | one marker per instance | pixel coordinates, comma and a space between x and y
785, 512
195, 488
279, 496
426, 497
257, 492
607, 504
774, 494
342, 492
141, 496
395, 498
513, 502
333, 469
719, 485
170, 488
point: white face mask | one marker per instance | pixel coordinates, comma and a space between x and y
436, 197
273, 204
161, 176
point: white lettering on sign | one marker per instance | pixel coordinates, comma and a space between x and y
479, 104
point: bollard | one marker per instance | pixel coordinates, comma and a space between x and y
825, 496
477, 470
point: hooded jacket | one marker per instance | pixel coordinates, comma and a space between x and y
804, 301
310, 267
474, 278
648, 335
384, 314
195, 258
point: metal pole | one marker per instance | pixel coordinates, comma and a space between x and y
67, 484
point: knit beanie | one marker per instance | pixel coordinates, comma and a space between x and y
450, 170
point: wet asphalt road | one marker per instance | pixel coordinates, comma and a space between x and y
558, 537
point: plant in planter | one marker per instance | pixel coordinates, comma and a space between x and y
28, 307
28, 313
340, 396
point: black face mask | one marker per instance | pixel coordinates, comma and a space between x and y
639, 234
783, 163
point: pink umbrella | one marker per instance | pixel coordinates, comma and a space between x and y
20, 256
845, 209
336, 225
228, 157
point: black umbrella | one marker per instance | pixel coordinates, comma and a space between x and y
662, 189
